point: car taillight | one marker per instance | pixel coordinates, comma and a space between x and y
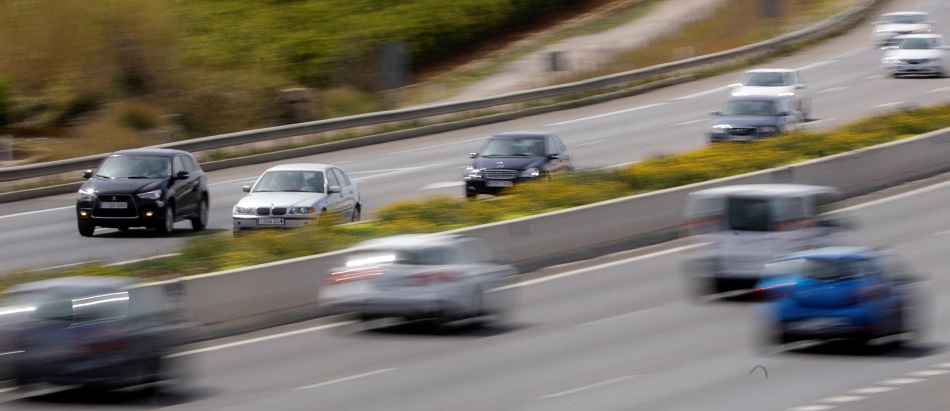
772, 292
101, 347
791, 225
356, 274
702, 225
432, 277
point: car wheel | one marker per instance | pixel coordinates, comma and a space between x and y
356, 214
470, 194
86, 230
168, 223
200, 221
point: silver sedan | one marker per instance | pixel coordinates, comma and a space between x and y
294, 195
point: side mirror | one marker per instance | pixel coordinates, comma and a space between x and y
555, 156
181, 175
716, 113
87, 174
735, 85
782, 113
472, 155
247, 189
799, 86
335, 189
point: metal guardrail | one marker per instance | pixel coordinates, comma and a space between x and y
244, 137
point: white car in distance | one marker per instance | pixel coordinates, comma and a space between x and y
899, 23
782, 82
917, 54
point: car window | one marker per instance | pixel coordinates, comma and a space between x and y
791, 208
528, 146
905, 19
823, 270
134, 167
190, 164
290, 181
177, 165
918, 43
765, 79
747, 214
477, 250
341, 177
332, 180
750, 108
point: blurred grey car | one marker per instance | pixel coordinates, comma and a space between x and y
295, 195
88, 331
917, 54
438, 277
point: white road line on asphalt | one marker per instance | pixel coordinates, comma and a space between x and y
824, 120
939, 90
703, 93
442, 184
260, 339
139, 260
598, 267
35, 212
896, 197
814, 408
832, 90
874, 77
944, 365
590, 142
850, 54
616, 317
588, 387
352, 377
618, 165
901, 381
687, 122
435, 145
844, 398
872, 390
396, 171
64, 266
816, 65
928, 373
237, 180
889, 105
608, 114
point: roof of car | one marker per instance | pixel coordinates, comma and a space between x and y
301, 167
74, 283
767, 189
771, 70
519, 134
919, 36
149, 152
405, 241
832, 253
903, 13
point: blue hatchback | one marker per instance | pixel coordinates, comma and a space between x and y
837, 292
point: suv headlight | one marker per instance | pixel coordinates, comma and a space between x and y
473, 172
86, 194
244, 210
150, 195
301, 210
531, 172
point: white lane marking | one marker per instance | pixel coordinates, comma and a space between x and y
874, 76
928, 373
939, 90
688, 122
816, 65
442, 184
609, 114
140, 260
588, 387
436, 145
896, 196
352, 377
872, 390
36, 212
237, 180
832, 90
889, 105
814, 408
850, 54
590, 142
703, 93
598, 267
399, 171
260, 339
901, 381
616, 317
64, 266
824, 120
944, 365
619, 165
843, 399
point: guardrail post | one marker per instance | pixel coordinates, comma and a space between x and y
6, 147
556, 59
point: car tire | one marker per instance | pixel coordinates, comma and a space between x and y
168, 223
86, 230
200, 221
356, 214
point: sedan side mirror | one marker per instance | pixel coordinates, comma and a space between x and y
87, 174
335, 189
247, 189
472, 155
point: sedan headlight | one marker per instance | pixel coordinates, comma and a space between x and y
767, 129
473, 172
891, 60
531, 172
244, 210
301, 210
150, 195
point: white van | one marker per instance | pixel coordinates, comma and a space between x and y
737, 229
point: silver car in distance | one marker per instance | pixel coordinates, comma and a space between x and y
917, 54
445, 279
294, 195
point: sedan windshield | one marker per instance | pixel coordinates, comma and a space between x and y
765, 79
134, 167
919, 44
905, 19
533, 147
290, 181
750, 108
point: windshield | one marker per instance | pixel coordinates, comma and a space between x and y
152, 167
290, 181
905, 19
920, 43
750, 108
823, 270
529, 146
765, 79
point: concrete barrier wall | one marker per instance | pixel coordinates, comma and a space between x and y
270, 294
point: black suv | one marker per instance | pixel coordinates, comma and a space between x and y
515, 156
150, 188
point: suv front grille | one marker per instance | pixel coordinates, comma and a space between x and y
500, 174
128, 212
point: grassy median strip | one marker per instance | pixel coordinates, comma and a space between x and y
220, 251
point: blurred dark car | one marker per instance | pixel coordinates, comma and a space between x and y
840, 292
438, 277
508, 158
150, 188
747, 118
87, 331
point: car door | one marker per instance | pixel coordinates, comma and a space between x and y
185, 189
335, 201
557, 157
348, 192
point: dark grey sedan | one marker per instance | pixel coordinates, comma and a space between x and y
750, 118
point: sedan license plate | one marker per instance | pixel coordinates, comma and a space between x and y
497, 183
113, 204
270, 221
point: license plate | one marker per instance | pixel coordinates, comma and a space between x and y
496, 183
819, 324
270, 221
111, 204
